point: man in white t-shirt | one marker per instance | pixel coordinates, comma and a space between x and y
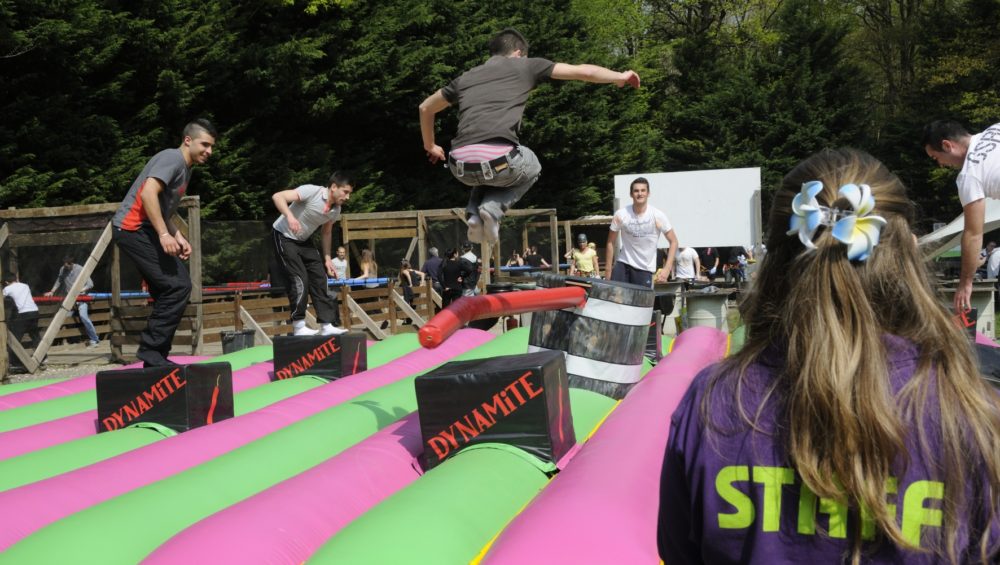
978, 158
640, 226
992, 261
340, 263
304, 210
688, 264
24, 319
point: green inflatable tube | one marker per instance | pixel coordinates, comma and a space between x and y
253, 354
736, 340
38, 412
121, 530
28, 385
65, 457
447, 515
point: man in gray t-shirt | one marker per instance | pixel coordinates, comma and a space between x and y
68, 275
304, 210
144, 232
486, 154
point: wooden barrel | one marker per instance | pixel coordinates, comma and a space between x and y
604, 341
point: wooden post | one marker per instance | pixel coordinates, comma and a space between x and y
4, 359
421, 240
194, 238
116, 299
345, 311
496, 260
554, 238
237, 308
390, 289
345, 237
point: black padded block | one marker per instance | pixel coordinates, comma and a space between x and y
179, 397
330, 357
518, 400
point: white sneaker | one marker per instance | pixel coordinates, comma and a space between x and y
330, 329
92, 344
491, 227
475, 229
299, 328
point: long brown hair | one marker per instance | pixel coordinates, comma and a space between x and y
846, 429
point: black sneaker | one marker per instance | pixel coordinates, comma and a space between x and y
152, 358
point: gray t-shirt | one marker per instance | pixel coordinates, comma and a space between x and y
67, 277
491, 97
173, 171
311, 211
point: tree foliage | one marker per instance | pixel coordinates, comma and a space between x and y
92, 88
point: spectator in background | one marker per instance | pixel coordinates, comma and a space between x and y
470, 280
369, 268
534, 260
68, 274
22, 318
406, 276
454, 270
515, 260
432, 267
688, 265
340, 264
583, 260
709, 257
992, 260
736, 263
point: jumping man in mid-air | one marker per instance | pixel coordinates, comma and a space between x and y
486, 154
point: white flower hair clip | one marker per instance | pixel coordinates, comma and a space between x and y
855, 228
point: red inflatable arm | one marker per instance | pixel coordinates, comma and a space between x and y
466, 309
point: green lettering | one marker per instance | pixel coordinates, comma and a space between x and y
915, 514
744, 515
868, 521
772, 478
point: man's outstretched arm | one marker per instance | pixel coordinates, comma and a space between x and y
428, 109
972, 242
594, 73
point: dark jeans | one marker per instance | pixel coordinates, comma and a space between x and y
169, 286
26, 324
306, 271
624, 272
450, 295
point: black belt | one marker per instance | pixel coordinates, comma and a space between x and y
496, 165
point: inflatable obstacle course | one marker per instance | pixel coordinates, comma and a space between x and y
331, 471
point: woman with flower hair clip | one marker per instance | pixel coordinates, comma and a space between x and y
854, 425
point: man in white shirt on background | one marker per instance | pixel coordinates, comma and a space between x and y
24, 320
978, 159
340, 264
688, 265
640, 225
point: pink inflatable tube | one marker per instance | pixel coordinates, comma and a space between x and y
981, 339
602, 508
67, 387
290, 521
46, 501
46, 434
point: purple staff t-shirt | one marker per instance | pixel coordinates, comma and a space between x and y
731, 496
